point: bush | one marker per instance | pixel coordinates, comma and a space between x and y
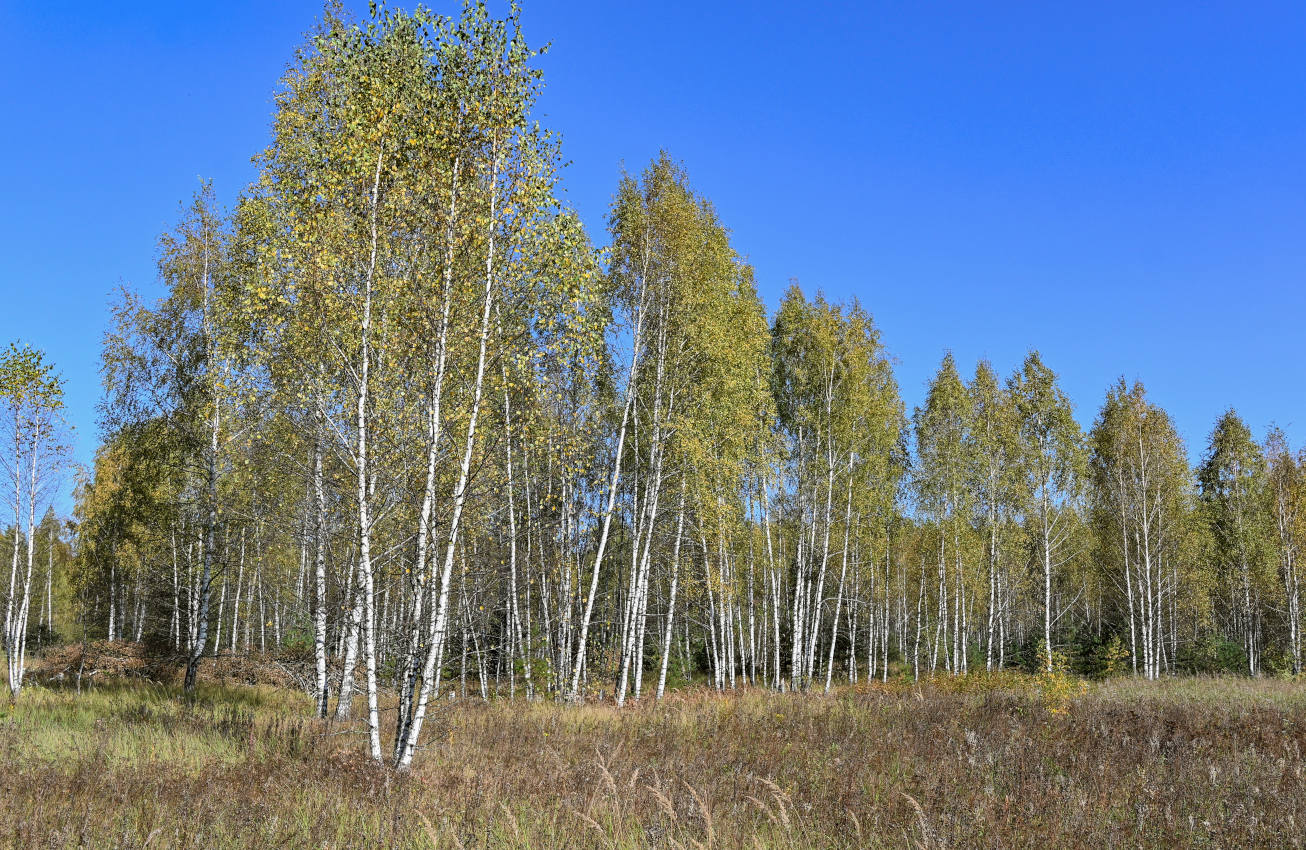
1056, 684
1277, 660
1212, 654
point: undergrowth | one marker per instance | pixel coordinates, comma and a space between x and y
987, 760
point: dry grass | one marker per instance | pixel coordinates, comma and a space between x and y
975, 762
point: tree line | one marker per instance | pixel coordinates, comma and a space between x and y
397, 414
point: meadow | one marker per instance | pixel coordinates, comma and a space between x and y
1007, 760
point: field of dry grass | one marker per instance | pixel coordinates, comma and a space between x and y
999, 761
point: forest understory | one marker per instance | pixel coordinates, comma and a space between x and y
984, 760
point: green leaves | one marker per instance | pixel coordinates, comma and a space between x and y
944, 446
1052, 443
27, 381
1234, 490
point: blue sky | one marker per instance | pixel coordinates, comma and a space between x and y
1123, 188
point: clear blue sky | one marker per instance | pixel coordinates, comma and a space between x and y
1122, 188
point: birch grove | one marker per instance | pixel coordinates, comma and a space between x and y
398, 422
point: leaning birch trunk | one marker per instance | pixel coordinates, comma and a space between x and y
18, 521
578, 665
440, 621
642, 614
815, 615
632, 644
632, 594
671, 602
13, 567
422, 586
843, 574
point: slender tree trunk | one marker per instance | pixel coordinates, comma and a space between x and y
517, 647
440, 622
843, 574
578, 664
349, 637
1047, 577
434, 427
211, 484
18, 637
319, 582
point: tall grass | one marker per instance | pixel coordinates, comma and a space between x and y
982, 761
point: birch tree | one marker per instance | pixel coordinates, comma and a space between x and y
995, 451
31, 404
1287, 486
943, 475
1053, 463
1140, 480
1232, 481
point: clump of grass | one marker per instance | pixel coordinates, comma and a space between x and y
967, 761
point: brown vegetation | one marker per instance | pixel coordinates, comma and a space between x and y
104, 659
968, 762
